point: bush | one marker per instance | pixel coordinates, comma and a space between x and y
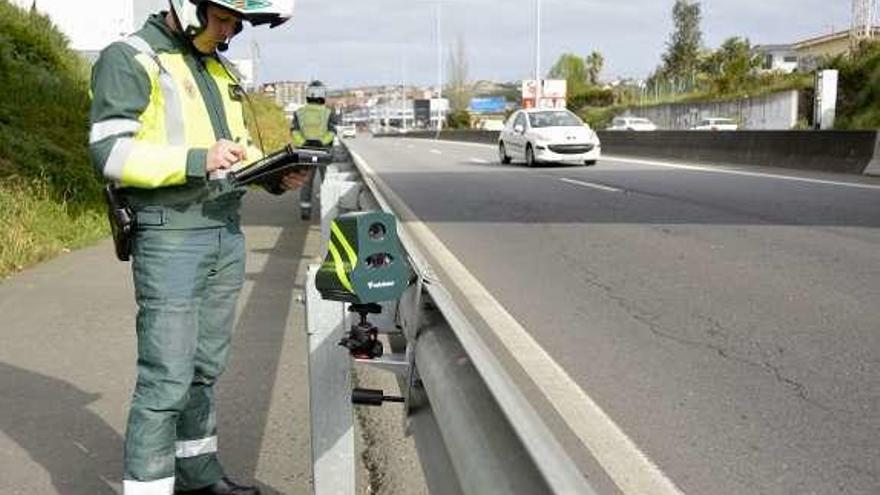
600, 117
49, 194
273, 128
590, 97
459, 119
859, 88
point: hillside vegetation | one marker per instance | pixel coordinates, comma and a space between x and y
858, 101
50, 196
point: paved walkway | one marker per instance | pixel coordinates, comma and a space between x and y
67, 355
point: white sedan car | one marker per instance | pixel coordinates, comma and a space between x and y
346, 131
632, 124
539, 135
715, 124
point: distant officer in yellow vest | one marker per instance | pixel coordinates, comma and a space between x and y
314, 126
167, 122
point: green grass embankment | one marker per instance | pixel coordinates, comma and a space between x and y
49, 194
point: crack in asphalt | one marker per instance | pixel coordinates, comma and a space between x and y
650, 321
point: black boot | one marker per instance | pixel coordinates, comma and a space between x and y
223, 487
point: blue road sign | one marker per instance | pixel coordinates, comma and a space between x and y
489, 104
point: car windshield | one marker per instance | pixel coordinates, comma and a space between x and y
554, 119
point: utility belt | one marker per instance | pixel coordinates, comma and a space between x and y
127, 218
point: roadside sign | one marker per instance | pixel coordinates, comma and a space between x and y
490, 104
553, 93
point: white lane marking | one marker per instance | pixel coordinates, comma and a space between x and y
630, 469
436, 152
463, 143
594, 185
718, 170
741, 172
479, 160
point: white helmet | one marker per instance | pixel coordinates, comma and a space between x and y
316, 92
191, 13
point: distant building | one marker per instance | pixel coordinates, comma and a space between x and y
289, 95
783, 58
804, 55
286, 92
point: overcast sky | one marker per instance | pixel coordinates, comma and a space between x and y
349, 42
353, 42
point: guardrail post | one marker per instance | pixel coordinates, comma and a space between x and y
873, 167
330, 408
340, 192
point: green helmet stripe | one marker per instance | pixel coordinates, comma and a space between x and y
245, 5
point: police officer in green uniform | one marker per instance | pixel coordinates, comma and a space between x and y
167, 123
313, 125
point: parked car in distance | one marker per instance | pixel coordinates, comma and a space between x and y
491, 125
346, 131
538, 135
715, 124
632, 124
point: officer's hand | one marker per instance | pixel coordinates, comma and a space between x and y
224, 154
294, 179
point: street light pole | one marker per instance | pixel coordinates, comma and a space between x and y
439, 64
538, 85
406, 104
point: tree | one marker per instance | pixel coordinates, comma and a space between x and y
731, 68
594, 62
459, 92
573, 69
681, 60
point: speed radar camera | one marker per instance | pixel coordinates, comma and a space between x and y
364, 266
364, 263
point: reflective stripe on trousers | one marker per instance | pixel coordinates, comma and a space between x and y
186, 285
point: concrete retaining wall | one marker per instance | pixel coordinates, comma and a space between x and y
852, 152
830, 151
777, 111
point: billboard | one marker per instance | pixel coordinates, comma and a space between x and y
487, 104
554, 88
553, 93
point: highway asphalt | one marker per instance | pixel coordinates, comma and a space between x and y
725, 319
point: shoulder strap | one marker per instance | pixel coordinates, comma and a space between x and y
142, 46
174, 120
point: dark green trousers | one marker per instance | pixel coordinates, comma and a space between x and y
186, 286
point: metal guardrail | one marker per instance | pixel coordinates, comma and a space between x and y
475, 431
